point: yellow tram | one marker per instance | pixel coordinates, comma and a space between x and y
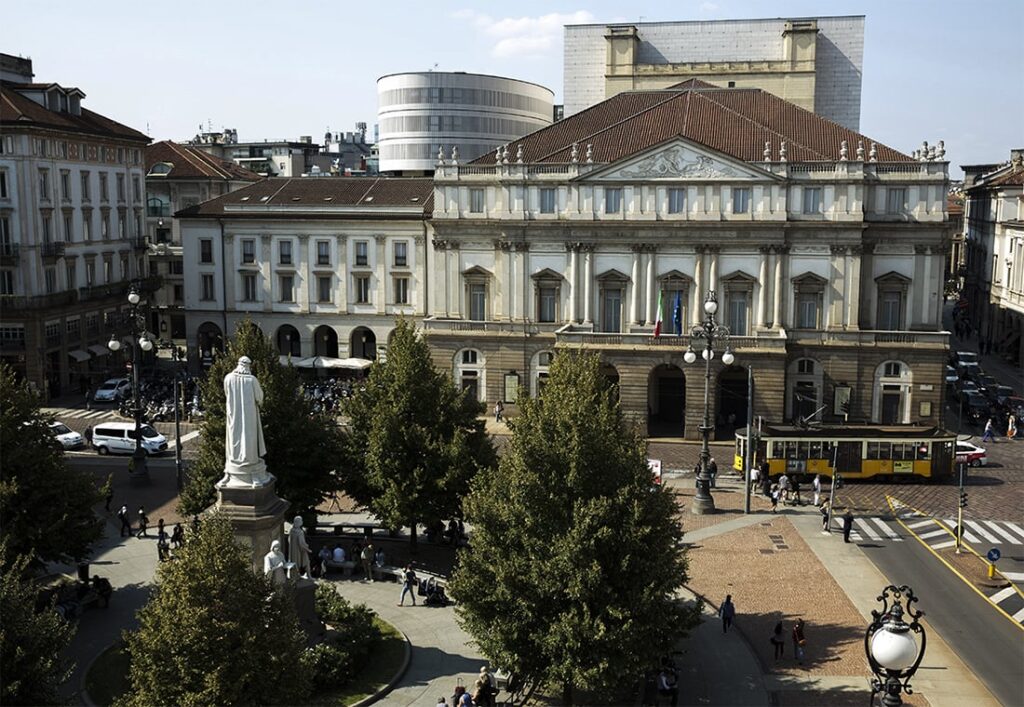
904, 452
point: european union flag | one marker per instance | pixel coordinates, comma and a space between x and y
677, 314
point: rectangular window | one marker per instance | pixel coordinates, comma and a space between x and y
51, 280
65, 185
741, 201
287, 288
52, 333
108, 271
547, 302
890, 311
124, 269
86, 194
120, 188
176, 267
401, 290
362, 253
668, 314
284, 252
476, 201
401, 254
206, 282
72, 276
895, 200
105, 225
5, 235
44, 184
73, 329
90, 273
812, 200
92, 325
179, 293
676, 201
6, 282
68, 230
104, 195
612, 200
323, 252
86, 225
3, 183
363, 290
248, 251
478, 302
547, 200
136, 189
611, 310
807, 311
47, 229
323, 289
738, 315
205, 250
121, 226
249, 287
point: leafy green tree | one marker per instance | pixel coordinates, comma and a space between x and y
47, 508
214, 632
575, 559
303, 447
414, 441
31, 644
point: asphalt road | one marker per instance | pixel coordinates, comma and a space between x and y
990, 644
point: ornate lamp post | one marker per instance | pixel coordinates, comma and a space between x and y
140, 342
890, 646
710, 331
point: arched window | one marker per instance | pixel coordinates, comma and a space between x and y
540, 369
894, 384
469, 373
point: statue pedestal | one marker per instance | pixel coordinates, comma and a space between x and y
305, 608
256, 515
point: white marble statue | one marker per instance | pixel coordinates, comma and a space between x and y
274, 564
243, 440
298, 549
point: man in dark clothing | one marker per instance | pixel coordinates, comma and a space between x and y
143, 523
847, 525
712, 471
126, 525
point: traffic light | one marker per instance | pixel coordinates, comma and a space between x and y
963, 499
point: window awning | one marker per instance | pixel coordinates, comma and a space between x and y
99, 350
79, 355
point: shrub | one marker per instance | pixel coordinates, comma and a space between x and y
344, 654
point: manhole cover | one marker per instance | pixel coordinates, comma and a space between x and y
767, 552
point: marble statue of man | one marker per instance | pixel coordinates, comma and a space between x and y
274, 564
243, 439
298, 549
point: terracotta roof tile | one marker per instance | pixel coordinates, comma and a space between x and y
191, 163
16, 109
733, 121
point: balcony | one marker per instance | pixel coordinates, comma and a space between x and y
52, 251
11, 304
571, 335
10, 253
97, 292
519, 329
871, 338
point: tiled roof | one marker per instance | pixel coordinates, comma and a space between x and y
1010, 178
321, 192
733, 121
191, 163
16, 109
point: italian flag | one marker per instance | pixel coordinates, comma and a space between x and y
657, 321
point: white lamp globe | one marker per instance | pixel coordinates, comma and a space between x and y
133, 297
728, 358
711, 306
113, 344
707, 354
894, 650
690, 356
145, 343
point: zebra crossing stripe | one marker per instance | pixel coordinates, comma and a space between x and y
1019, 616
1014, 576
995, 527
1002, 594
981, 531
967, 534
942, 546
933, 534
1016, 528
920, 524
863, 525
887, 530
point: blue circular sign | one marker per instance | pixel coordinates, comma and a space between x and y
993, 555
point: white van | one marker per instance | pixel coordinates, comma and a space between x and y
119, 438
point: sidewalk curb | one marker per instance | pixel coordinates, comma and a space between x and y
406, 660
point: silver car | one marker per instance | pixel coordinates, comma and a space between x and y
112, 390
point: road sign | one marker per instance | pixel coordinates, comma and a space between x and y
993, 555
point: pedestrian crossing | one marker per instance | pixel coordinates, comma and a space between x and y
64, 414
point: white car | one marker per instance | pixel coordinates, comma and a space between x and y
67, 437
970, 454
112, 390
119, 438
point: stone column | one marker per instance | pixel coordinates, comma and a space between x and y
381, 271
573, 248
588, 277
777, 290
926, 314
440, 277
696, 311
651, 278
917, 296
510, 286
522, 255
853, 302
454, 280
762, 276
836, 264
847, 286
343, 274
713, 274
634, 292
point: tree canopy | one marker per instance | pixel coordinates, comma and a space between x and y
303, 447
575, 559
414, 441
216, 633
47, 508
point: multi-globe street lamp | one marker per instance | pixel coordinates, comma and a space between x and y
140, 342
711, 332
892, 652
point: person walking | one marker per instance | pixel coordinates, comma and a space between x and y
88, 398
108, 498
1011, 427
796, 500
366, 556
178, 536
816, 485
847, 524
408, 585
774, 496
712, 471
755, 478
799, 640
727, 610
784, 488
88, 437
990, 432
143, 524
825, 508
766, 481
499, 407
777, 641
126, 523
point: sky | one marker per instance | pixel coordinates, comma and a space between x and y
932, 70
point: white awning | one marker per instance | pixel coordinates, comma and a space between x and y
99, 350
352, 364
79, 355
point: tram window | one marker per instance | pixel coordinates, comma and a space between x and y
900, 449
778, 450
922, 450
875, 450
815, 452
826, 450
791, 449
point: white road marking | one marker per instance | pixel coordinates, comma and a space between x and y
933, 534
1014, 576
1002, 594
1019, 616
1016, 528
995, 527
863, 524
887, 530
920, 523
981, 531
967, 534
942, 546
184, 438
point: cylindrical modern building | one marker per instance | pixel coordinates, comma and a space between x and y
419, 112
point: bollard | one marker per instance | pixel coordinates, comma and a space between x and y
991, 570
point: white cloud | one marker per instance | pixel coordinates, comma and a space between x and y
523, 37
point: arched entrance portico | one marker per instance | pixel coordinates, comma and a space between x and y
732, 401
611, 377
363, 344
325, 342
288, 343
209, 341
666, 401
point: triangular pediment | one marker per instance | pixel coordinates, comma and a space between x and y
547, 274
679, 160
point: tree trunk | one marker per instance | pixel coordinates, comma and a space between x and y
413, 548
567, 693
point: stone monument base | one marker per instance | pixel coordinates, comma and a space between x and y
305, 607
256, 515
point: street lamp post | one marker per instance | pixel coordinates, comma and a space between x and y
892, 652
140, 342
709, 330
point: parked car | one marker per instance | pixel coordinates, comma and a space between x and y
66, 437
112, 390
986, 382
997, 394
971, 454
961, 358
1014, 404
965, 388
969, 371
976, 408
951, 375
119, 438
